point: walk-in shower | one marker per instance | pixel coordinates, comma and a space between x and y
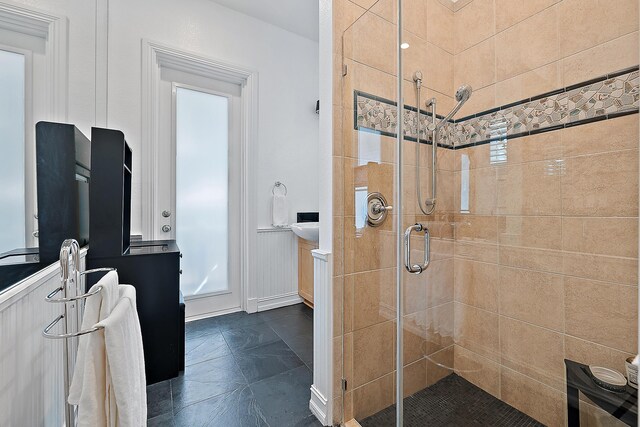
528, 188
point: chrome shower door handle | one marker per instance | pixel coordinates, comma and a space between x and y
416, 268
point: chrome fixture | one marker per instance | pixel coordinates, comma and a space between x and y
166, 228
462, 95
417, 268
377, 209
279, 185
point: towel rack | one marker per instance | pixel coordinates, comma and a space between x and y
69, 275
278, 184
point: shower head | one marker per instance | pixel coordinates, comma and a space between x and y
462, 95
417, 78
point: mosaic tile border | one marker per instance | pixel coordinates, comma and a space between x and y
606, 97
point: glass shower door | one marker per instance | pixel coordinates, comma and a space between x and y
366, 168
533, 254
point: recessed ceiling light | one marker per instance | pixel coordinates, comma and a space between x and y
404, 46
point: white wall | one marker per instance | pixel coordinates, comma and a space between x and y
288, 87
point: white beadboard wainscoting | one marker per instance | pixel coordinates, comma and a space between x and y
31, 366
321, 402
276, 268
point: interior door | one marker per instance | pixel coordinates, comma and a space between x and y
197, 199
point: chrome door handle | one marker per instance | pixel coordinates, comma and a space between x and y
417, 268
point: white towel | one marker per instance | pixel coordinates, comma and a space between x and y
280, 214
126, 382
88, 386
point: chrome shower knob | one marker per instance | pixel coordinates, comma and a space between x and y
377, 209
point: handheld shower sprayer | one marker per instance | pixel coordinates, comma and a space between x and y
462, 95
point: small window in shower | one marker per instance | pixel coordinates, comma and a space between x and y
498, 152
464, 184
369, 147
361, 207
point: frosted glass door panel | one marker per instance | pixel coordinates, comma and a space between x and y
12, 190
202, 183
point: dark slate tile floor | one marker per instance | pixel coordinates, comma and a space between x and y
241, 370
453, 401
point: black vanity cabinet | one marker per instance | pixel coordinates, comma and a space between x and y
153, 268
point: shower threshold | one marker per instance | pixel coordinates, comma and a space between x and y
452, 401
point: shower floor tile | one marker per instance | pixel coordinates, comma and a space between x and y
452, 401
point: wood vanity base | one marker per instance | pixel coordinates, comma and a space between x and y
305, 270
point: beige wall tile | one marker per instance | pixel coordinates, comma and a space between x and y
482, 191
476, 228
338, 185
537, 259
590, 353
603, 313
477, 330
478, 370
439, 365
577, 16
438, 279
413, 347
386, 9
485, 252
414, 17
542, 146
482, 99
439, 328
476, 284
440, 25
338, 246
358, 45
476, 66
535, 82
345, 13
527, 45
374, 297
598, 267
601, 185
606, 236
439, 74
599, 137
476, 157
600, 60
373, 397
367, 249
532, 351
528, 189
543, 403
415, 292
338, 301
373, 352
479, 16
510, 12
533, 297
543, 232
415, 377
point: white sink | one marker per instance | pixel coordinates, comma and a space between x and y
307, 230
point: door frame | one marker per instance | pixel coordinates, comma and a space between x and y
156, 56
233, 265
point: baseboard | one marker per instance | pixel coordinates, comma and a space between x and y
278, 301
319, 406
252, 305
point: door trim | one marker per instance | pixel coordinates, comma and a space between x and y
155, 56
